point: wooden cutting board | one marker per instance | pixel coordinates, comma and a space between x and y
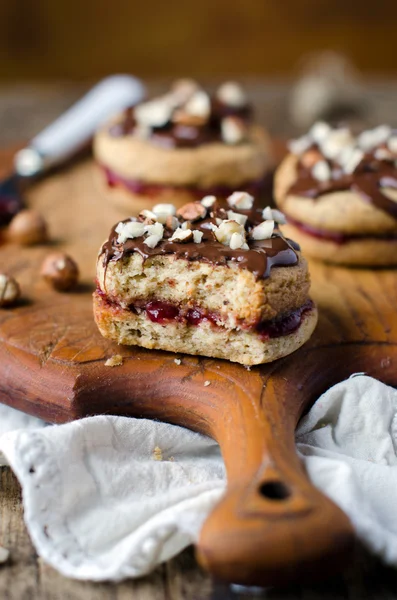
272, 526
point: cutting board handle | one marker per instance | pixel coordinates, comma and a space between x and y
272, 526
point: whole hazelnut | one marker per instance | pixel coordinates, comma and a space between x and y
9, 290
60, 271
28, 227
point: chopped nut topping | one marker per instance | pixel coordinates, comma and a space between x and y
155, 113
208, 201
368, 140
383, 154
224, 232
319, 131
241, 200
192, 211
156, 229
186, 225
129, 230
233, 216
199, 105
233, 130
152, 240
269, 213
164, 209
197, 236
392, 144
232, 94
263, 231
336, 141
237, 241
182, 236
321, 171
171, 222
354, 160
148, 214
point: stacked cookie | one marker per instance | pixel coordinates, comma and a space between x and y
212, 278
182, 146
339, 194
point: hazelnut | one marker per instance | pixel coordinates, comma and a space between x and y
9, 290
60, 270
310, 158
28, 227
181, 117
192, 211
182, 236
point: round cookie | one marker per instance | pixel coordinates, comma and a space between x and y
339, 194
205, 280
183, 146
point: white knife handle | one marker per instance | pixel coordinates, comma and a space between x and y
77, 125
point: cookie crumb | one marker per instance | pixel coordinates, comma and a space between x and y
248, 368
207, 383
114, 361
157, 453
4, 555
177, 361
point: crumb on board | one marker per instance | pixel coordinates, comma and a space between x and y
157, 453
114, 361
4, 555
248, 368
206, 383
177, 361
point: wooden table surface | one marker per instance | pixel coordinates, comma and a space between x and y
24, 110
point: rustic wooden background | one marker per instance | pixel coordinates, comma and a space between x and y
82, 38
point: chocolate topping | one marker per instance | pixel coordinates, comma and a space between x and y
178, 135
261, 256
368, 179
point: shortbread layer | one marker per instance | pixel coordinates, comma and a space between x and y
203, 166
359, 251
265, 343
235, 294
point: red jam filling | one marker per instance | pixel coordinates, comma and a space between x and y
136, 186
164, 312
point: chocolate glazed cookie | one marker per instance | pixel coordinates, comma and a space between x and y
339, 193
182, 146
213, 279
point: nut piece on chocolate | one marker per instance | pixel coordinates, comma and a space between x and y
60, 271
27, 228
9, 291
224, 283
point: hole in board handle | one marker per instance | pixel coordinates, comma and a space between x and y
274, 490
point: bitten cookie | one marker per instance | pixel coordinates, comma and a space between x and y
339, 195
182, 146
212, 278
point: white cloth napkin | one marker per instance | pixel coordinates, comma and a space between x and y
110, 497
